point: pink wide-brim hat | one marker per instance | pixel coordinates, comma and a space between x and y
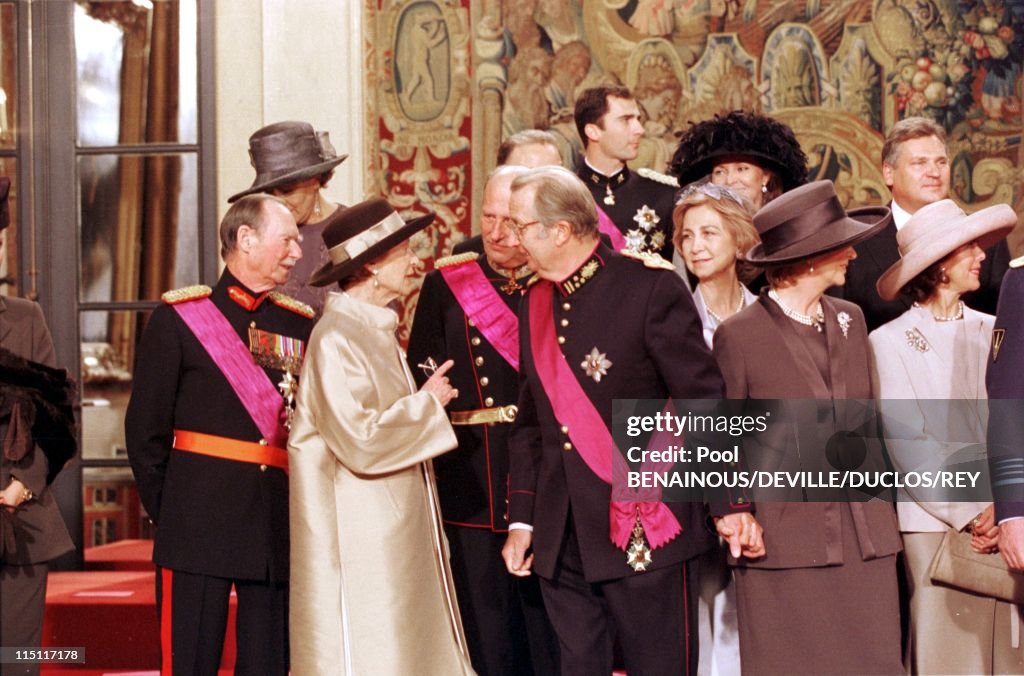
937, 230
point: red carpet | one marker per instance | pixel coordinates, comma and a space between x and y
121, 555
113, 616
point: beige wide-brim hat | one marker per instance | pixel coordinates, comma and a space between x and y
358, 234
937, 230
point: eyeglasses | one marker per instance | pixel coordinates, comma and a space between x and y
712, 190
520, 228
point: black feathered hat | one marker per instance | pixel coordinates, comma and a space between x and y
741, 135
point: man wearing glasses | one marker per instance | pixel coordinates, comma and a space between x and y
467, 312
598, 327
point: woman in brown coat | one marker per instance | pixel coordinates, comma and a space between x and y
822, 598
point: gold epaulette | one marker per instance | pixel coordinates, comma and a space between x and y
288, 303
649, 259
457, 259
187, 293
658, 176
1017, 262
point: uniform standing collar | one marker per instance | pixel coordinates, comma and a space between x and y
596, 177
240, 294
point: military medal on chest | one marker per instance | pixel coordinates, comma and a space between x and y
638, 554
281, 353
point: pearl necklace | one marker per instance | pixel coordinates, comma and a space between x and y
959, 314
807, 320
714, 315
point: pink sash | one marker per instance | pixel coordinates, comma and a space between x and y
484, 306
250, 382
590, 435
607, 226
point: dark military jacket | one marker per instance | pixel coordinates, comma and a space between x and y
472, 481
1006, 398
644, 322
214, 516
638, 204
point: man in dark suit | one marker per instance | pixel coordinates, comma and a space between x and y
33, 530
468, 312
915, 166
638, 203
600, 327
1006, 416
206, 435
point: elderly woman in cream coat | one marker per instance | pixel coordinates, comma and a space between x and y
929, 373
371, 589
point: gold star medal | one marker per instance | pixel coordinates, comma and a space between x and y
596, 364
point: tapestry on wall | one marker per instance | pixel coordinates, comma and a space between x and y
839, 72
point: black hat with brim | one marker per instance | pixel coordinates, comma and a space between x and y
809, 221
359, 234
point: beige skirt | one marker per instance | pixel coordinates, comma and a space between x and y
953, 632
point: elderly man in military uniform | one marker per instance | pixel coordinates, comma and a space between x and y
206, 430
467, 312
639, 204
600, 326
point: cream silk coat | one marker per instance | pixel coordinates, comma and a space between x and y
371, 589
939, 369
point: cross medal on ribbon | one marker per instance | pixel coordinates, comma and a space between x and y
281, 353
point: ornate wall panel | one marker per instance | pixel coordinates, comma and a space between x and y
418, 112
841, 72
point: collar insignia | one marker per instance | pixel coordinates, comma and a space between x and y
997, 342
581, 276
242, 297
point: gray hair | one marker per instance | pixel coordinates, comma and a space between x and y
907, 130
527, 137
250, 210
560, 195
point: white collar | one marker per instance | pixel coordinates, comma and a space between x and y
900, 216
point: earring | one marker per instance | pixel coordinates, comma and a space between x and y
764, 189
811, 267
376, 284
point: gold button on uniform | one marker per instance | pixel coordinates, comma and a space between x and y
565, 429
565, 322
566, 307
263, 442
475, 341
561, 340
567, 446
479, 361
263, 468
484, 381
489, 401
472, 323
